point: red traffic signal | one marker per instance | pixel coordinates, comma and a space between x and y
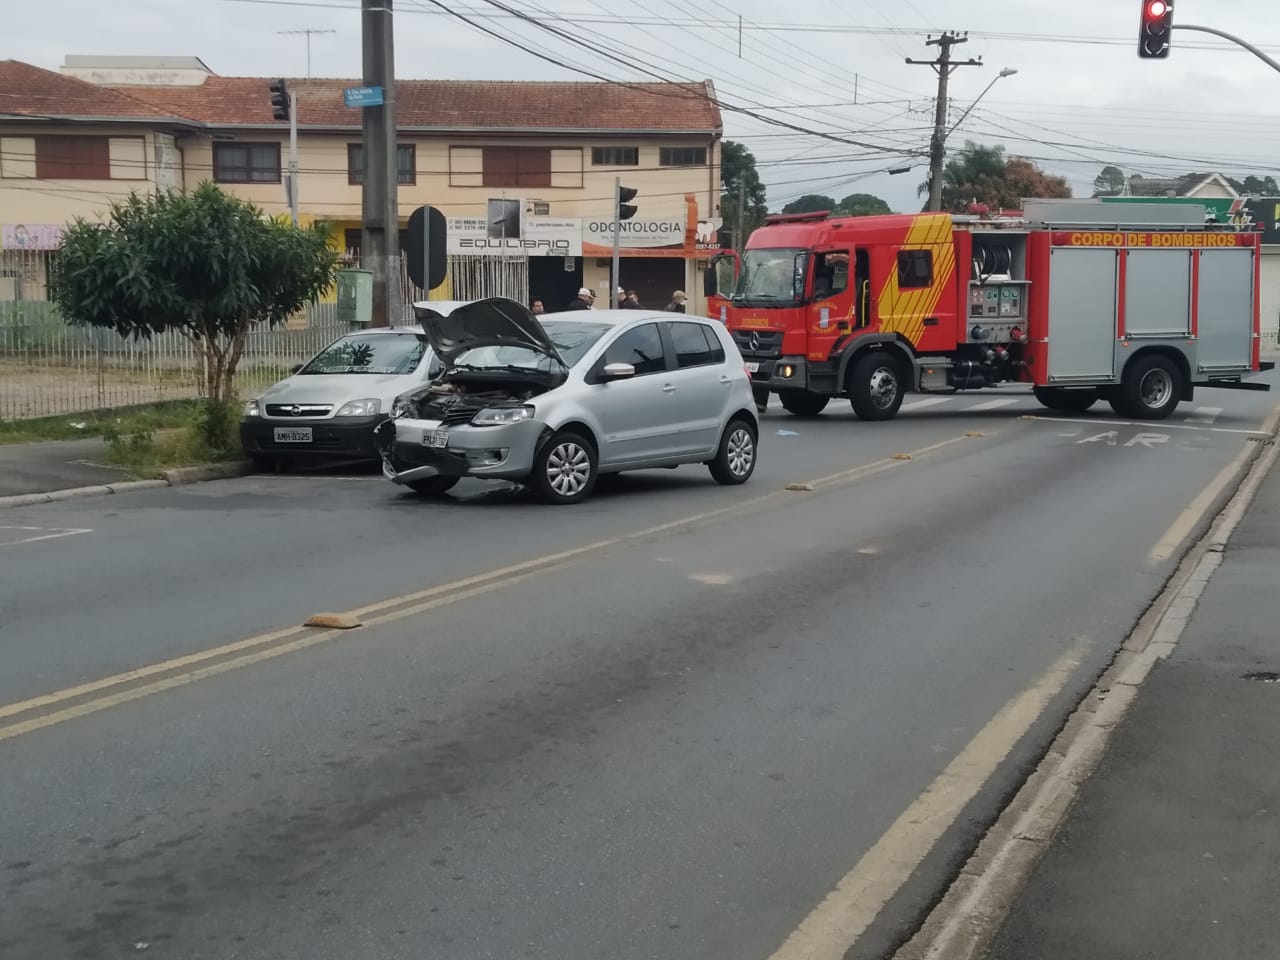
1155, 33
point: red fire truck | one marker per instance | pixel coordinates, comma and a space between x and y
1135, 304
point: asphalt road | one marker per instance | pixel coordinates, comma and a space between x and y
669, 725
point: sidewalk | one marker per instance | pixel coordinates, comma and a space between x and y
1172, 850
53, 465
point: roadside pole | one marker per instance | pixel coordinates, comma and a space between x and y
1234, 39
617, 240
293, 157
380, 238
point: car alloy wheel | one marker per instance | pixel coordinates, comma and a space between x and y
565, 471
741, 451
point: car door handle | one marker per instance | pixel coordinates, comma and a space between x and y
668, 388
724, 379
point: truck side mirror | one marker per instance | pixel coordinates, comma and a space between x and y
709, 285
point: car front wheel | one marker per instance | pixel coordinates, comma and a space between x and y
432, 486
565, 469
736, 459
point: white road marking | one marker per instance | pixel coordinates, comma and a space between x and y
1204, 415
1109, 438
1148, 440
993, 404
837, 923
712, 579
922, 404
44, 533
1133, 423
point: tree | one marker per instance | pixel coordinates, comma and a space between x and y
984, 175
1109, 182
738, 166
204, 264
1255, 186
862, 205
810, 203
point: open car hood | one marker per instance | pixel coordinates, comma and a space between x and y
484, 323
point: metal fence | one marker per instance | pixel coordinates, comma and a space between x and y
50, 368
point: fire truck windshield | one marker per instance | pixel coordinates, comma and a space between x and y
773, 276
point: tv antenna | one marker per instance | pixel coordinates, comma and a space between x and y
307, 32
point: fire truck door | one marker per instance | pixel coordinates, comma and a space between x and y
831, 314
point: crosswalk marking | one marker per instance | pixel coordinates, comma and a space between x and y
921, 404
994, 404
1204, 415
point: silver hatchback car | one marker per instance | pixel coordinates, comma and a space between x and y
555, 401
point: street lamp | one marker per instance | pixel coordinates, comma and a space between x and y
1006, 72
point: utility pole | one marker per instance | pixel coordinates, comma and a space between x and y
944, 66
380, 236
740, 238
307, 33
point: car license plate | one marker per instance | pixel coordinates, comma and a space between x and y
293, 434
437, 439
753, 367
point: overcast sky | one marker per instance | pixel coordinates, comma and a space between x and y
1081, 97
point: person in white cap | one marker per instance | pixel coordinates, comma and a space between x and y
678, 300
583, 301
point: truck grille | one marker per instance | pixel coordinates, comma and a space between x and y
300, 410
768, 343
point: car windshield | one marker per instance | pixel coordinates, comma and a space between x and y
770, 276
395, 354
571, 339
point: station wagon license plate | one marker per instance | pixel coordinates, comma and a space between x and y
436, 439
293, 434
753, 367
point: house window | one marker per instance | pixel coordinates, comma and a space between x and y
517, 166
246, 162
615, 156
682, 156
73, 158
915, 269
406, 163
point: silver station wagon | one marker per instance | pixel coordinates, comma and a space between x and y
555, 401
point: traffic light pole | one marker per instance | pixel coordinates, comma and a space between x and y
1234, 39
293, 157
617, 239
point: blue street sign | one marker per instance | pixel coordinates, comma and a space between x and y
362, 96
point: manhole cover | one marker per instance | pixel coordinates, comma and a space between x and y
1264, 676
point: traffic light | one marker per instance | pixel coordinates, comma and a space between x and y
1155, 33
279, 100
625, 210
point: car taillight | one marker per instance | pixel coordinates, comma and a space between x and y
747, 371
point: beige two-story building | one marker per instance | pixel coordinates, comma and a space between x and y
524, 171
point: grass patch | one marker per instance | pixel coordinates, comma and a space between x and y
122, 421
207, 435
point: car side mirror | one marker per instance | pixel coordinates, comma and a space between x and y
296, 367
617, 371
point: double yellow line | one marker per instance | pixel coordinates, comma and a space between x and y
25, 716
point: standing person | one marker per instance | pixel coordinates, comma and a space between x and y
537, 307
583, 301
678, 300
631, 301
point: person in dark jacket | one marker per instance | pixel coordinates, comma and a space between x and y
678, 300
631, 301
583, 301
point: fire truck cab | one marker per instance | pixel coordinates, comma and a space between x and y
1135, 304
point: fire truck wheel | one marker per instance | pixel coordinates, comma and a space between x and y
1066, 401
802, 403
875, 386
1150, 389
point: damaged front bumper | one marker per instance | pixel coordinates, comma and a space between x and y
413, 449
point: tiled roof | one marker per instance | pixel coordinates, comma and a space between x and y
29, 91
457, 104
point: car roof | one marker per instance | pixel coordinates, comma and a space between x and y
615, 318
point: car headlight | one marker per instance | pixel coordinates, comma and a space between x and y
359, 408
251, 409
497, 416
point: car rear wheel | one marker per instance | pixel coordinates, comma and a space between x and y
802, 403
565, 469
433, 486
736, 459
1066, 401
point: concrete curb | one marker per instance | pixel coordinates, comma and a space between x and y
172, 478
970, 913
